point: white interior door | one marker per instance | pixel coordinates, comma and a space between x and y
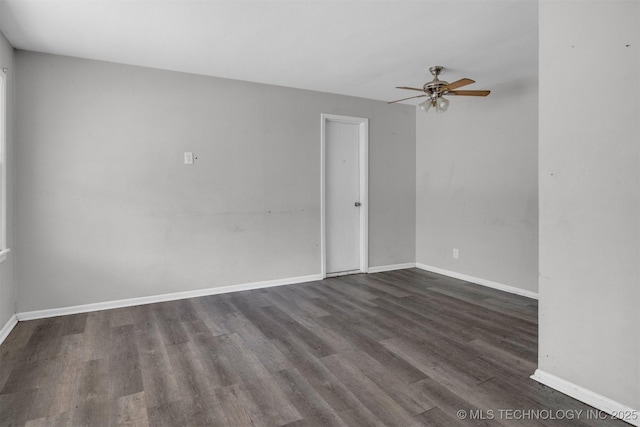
344, 195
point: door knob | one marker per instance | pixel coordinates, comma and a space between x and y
357, 204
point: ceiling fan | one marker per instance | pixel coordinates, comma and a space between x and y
436, 88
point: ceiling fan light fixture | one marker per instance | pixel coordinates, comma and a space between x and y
425, 106
442, 105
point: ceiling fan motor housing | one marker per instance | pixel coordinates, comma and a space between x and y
434, 87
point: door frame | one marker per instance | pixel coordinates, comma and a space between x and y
363, 148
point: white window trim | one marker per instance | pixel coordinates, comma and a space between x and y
3, 166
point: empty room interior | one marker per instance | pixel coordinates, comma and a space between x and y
310, 213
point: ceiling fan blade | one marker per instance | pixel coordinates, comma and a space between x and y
409, 88
457, 84
404, 99
469, 92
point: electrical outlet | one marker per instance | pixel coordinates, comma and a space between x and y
456, 253
188, 158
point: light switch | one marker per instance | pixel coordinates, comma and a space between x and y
188, 158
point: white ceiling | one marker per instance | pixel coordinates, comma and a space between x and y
358, 48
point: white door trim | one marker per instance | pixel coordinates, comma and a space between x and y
363, 134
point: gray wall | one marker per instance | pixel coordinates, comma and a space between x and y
589, 197
7, 276
108, 210
477, 186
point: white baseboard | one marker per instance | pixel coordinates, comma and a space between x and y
86, 308
589, 397
8, 327
392, 267
478, 281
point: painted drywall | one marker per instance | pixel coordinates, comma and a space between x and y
477, 186
107, 209
7, 273
589, 175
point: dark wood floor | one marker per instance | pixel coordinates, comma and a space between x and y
401, 348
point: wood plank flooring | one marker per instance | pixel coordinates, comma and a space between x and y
402, 348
